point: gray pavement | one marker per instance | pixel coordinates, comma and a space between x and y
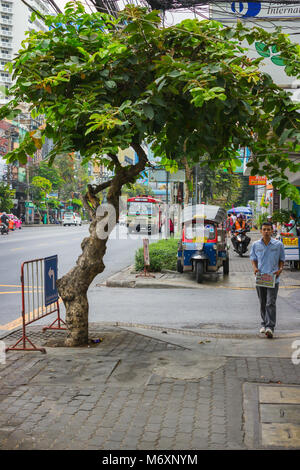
162, 381
150, 388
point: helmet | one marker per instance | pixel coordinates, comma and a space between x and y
269, 217
240, 216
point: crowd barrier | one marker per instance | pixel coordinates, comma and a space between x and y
39, 299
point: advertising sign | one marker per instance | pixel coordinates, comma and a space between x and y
160, 176
257, 180
291, 248
50, 278
262, 10
267, 15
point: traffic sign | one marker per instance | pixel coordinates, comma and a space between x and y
50, 276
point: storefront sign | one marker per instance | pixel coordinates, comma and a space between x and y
257, 180
291, 248
268, 10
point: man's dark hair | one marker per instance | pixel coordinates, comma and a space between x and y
266, 223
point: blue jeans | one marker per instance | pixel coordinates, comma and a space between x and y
267, 298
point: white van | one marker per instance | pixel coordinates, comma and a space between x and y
71, 218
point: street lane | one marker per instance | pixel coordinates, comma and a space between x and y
39, 242
233, 311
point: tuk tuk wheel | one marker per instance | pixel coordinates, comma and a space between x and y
179, 266
226, 267
199, 271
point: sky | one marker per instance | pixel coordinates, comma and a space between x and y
173, 17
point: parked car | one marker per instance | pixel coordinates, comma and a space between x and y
71, 218
78, 219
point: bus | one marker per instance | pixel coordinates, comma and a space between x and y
144, 214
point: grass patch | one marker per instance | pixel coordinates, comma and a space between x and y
163, 255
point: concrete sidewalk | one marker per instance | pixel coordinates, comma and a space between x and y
151, 388
240, 276
237, 279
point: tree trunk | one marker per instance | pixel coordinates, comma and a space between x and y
73, 286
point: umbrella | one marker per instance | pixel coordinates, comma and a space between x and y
240, 210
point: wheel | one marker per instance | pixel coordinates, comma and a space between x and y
199, 271
179, 266
226, 267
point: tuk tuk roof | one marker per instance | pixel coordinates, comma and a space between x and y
214, 214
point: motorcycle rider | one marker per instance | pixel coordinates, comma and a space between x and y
4, 220
239, 224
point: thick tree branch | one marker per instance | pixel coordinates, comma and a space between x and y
114, 159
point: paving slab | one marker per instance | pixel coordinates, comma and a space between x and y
147, 389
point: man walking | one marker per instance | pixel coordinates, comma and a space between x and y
267, 257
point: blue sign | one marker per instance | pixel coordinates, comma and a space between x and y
50, 278
246, 9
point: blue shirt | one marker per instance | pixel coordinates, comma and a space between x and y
267, 256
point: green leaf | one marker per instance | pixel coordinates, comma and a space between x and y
262, 49
148, 111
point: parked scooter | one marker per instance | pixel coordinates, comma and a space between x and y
240, 241
4, 229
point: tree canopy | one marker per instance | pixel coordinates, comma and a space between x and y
191, 90
6, 197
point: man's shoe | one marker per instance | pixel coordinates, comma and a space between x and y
262, 330
269, 333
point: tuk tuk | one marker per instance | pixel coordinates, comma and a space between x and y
203, 248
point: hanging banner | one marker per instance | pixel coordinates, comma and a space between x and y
257, 180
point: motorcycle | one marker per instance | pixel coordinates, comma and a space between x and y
3, 229
240, 241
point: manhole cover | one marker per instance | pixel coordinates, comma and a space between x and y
272, 416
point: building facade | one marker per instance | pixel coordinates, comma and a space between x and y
14, 22
268, 15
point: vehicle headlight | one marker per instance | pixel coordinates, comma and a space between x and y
214, 247
239, 238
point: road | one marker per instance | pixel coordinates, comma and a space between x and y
38, 242
209, 309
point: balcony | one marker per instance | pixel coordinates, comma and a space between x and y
5, 45
5, 33
5, 21
7, 57
5, 9
5, 80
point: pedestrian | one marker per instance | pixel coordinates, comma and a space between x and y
267, 257
233, 219
228, 224
171, 227
292, 226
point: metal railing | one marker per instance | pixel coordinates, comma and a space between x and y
34, 305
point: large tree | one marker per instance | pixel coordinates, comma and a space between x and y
190, 90
6, 197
